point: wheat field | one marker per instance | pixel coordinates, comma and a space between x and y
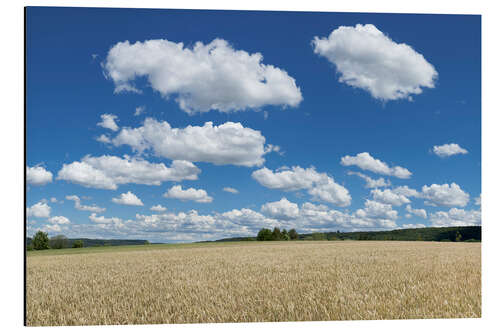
254, 281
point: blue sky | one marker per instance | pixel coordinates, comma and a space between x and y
384, 90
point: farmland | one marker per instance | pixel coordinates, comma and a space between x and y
253, 281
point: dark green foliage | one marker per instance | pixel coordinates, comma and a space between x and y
318, 236
276, 235
458, 237
293, 234
265, 235
284, 235
268, 235
420, 234
40, 241
78, 243
58, 242
89, 242
29, 248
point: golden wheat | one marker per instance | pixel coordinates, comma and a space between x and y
256, 281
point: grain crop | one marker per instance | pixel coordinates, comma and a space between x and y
254, 281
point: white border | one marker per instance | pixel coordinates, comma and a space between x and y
11, 134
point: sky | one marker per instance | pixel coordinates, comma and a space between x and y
185, 125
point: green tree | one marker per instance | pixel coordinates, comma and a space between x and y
40, 241
293, 234
458, 237
58, 242
264, 235
318, 236
78, 243
284, 235
276, 235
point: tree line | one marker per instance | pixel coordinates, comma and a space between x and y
41, 241
439, 234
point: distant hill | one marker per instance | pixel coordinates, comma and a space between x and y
472, 233
89, 242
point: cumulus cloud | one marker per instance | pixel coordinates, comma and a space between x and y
59, 220
176, 192
51, 228
283, 209
374, 209
40, 209
477, 201
139, 110
389, 197
368, 59
38, 176
107, 172
406, 191
158, 208
448, 149
444, 195
105, 220
228, 143
108, 121
319, 185
366, 162
418, 212
370, 182
103, 138
79, 206
129, 199
193, 226
455, 217
202, 78
413, 226
230, 190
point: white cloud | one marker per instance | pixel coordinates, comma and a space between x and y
108, 121
107, 172
53, 200
103, 138
59, 220
370, 182
230, 190
283, 209
374, 209
105, 220
228, 143
444, 195
40, 209
406, 191
418, 212
367, 59
38, 176
477, 201
204, 77
366, 162
51, 228
158, 208
129, 199
413, 226
139, 110
319, 185
455, 217
389, 197
448, 150
79, 206
176, 192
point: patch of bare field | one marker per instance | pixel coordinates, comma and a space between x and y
257, 281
